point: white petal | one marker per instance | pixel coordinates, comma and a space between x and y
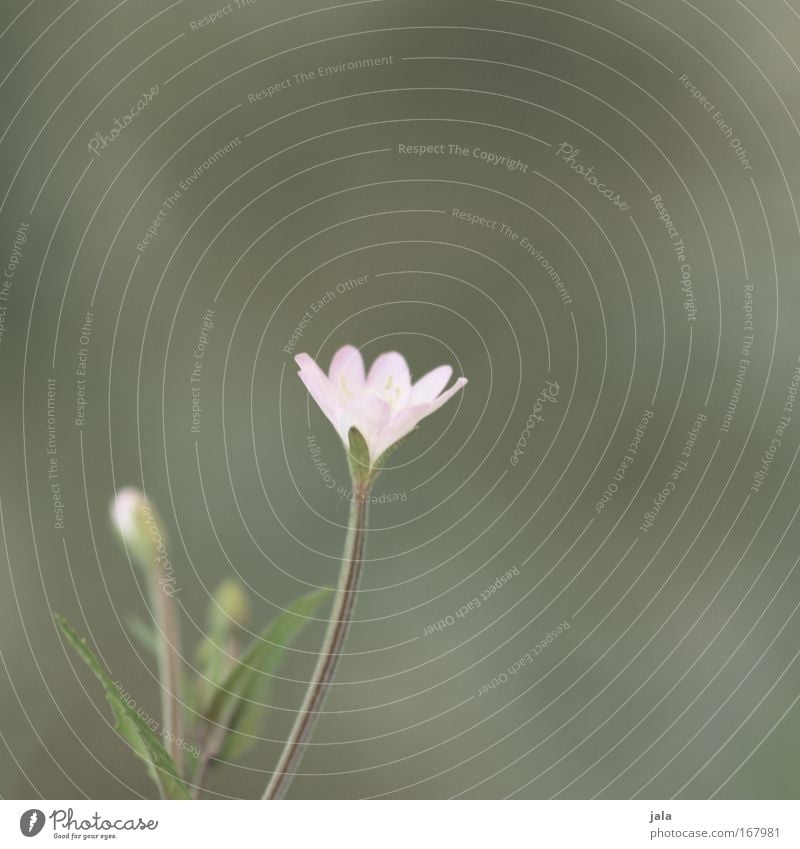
390, 379
404, 421
401, 425
369, 415
446, 396
321, 395
318, 385
347, 371
308, 364
429, 386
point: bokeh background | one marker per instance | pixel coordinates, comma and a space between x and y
678, 673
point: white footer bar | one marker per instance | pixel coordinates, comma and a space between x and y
406, 824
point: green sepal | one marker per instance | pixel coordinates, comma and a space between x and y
129, 725
358, 454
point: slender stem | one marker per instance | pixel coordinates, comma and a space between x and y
169, 672
338, 625
209, 749
150, 550
211, 738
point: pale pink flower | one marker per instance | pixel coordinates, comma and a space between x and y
384, 406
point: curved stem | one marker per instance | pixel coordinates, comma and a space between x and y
338, 625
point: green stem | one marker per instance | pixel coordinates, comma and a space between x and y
338, 625
169, 673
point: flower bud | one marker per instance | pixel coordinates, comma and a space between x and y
129, 514
231, 602
139, 526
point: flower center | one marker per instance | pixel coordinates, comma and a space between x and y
391, 393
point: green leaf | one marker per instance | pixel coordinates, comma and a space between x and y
130, 725
237, 708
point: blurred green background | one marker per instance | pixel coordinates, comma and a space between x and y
678, 673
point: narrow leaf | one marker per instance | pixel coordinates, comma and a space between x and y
130, 725
238, 706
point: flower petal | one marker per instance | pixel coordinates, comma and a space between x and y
347, 371
318, 385
308, 364
429, 386
405, 420
446, 396
390, 379
400, 426
369, 415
